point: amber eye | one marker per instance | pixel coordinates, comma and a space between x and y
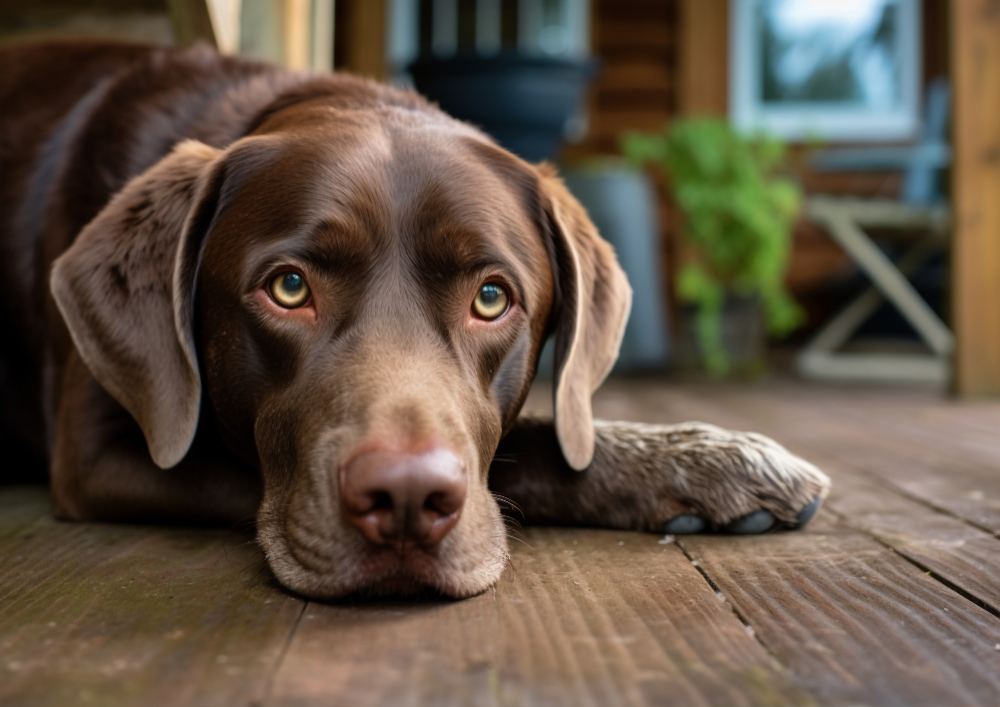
289, 289
491, 301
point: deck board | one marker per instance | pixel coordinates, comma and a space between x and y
890, 597
127, 615
584, 617
854, 622
619, 619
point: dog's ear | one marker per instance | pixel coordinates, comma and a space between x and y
594, 299
125, 290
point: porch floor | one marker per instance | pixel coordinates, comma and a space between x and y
890, 597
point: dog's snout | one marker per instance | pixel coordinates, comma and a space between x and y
396, 498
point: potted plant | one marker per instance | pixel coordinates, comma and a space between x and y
738, 211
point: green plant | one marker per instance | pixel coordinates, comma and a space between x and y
738, 213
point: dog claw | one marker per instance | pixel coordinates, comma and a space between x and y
685, 525
807, 513
751, 524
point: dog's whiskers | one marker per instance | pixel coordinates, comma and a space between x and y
509, 501
513, 524
509, 536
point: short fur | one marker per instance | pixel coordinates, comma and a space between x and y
150, 195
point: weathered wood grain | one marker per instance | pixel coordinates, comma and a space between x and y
855, 622
615, 618
582, 617
408, 653
958, 553
128, 615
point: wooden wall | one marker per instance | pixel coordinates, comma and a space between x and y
636, 43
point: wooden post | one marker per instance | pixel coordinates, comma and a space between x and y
363, 34
703, 57
975, 190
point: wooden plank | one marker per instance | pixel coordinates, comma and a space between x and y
410, 653
611, 123
964, 556
647, 72
607, 618
20, 506
975, 174
635, 11
855, 622
804, 578
966, 429
651, 37
704, 53
634, 99
583, 617
129, 615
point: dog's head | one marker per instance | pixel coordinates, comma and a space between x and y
361, 293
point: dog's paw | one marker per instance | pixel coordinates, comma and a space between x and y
705, 479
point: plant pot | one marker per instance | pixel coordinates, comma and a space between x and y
523, 102
744, 337
622, 203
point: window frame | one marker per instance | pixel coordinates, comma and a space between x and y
832, 121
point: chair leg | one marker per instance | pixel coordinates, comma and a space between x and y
891, 282
818, 360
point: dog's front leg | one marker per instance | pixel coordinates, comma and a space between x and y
101, 468
665, 478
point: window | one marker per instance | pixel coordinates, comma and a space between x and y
442, 28
828, 69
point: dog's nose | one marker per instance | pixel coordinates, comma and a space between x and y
394, 498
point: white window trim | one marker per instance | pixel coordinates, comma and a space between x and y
831, 122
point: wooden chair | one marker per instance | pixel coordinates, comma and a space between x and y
920, 218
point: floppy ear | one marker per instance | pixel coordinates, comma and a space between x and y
125, 289
594, 303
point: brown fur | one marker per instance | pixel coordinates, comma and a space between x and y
165, 188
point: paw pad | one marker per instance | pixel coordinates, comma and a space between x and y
685, 525
751, 524
807, 513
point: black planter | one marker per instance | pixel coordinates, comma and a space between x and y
523, 102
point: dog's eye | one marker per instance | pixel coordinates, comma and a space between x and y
491, 301
289, 289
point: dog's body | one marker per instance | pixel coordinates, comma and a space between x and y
320, 301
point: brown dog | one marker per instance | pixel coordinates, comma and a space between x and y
321, 301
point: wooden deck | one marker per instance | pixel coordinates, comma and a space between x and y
890, 597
